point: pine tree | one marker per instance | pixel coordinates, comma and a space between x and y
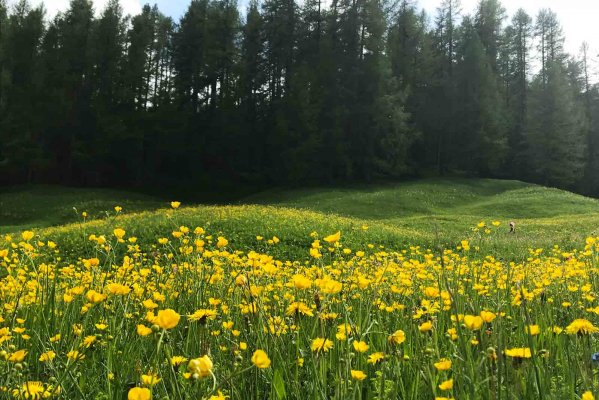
550, 40
481, 142
21, 73
488, 22
518, 45
555, 132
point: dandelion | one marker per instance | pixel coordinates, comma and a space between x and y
31, 389
519, 352
175, 204
321, 344
218, 396
375, 358
75, 355
581, 327
149, 379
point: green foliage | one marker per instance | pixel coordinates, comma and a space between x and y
304, 92
429, 212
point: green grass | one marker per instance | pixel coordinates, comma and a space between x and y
26, 207
428, 213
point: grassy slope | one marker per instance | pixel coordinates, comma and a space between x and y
424, 213
27, 207
448, 208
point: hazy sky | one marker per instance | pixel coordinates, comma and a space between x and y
578, 17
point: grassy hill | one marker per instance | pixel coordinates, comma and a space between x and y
428, 213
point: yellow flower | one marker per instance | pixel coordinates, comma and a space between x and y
202, 315
360, 346
532, 330
175, 204
149, 379
358, 375
374, 358
260, 359
321, 344
333, 238
446, 385
74, 355
218, 396
301, 282
398, 337
27, 235
426, 326
167, 319
582, 327
588, 395
143, 330
117, 289
473, 322
119, 233
443, 364
17, 356
299, 308
31, 390
47, 356
138, 393
315, 253
200, 367
487, 316
177, 360
94, 297
520, 352
117, 209
222, 242
88, 341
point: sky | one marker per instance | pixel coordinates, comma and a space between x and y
578, 17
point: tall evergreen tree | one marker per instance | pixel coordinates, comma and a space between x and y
488, 22
21, 73
518, 46
550, 40
481, 142
555, 129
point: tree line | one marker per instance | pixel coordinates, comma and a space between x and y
293, 93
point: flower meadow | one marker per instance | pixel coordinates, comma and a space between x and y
187, 315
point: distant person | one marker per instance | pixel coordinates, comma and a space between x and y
512, 227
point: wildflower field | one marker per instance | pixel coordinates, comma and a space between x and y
212, 303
